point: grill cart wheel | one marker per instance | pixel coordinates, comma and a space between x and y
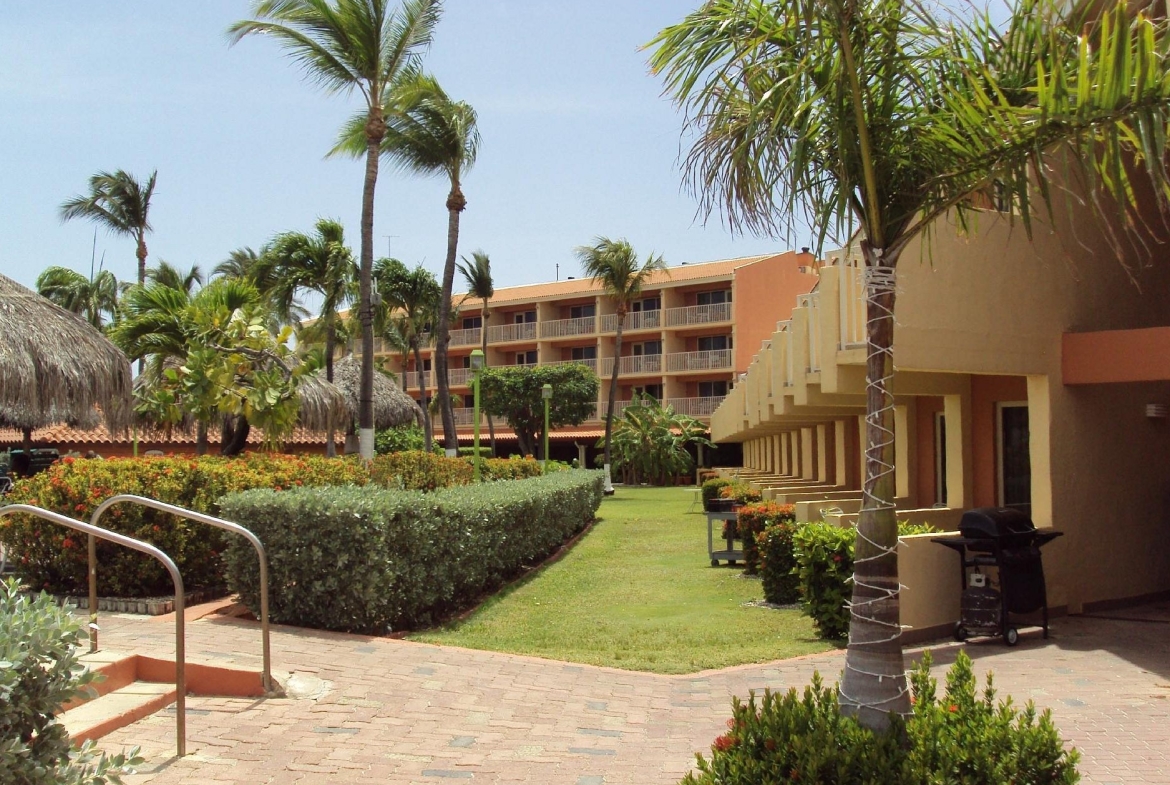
961, 633
1011, 636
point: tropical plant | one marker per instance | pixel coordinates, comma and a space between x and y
877, 115
86, 297
167, 274
650, 442
477, 274
410, 299
119, 203
614, 266
430, 134
347, 45
514, 393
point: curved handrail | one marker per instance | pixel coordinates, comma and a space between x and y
266, 678
150, 550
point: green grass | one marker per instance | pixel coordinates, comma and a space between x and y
637, 592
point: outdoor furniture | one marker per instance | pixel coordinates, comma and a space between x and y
729, 554
1006, 541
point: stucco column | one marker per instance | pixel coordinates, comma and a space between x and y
777, 458
960, 475
903, 415
808, 456
785, 464
822, 453
840, 470
1040, 449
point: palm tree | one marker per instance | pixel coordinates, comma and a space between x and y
167, 274
874, 115
428, 133
321, 263
87, 297
477, 274
411, 300
613, 265
241, 263
119, 203
346, 45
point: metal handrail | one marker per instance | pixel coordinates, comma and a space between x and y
143, 547
266, 678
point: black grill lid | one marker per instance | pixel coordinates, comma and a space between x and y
994, 522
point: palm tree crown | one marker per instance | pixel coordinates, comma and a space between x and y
74, 292
121, 204
167, 274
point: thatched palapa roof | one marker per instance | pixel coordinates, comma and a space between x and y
56, 367
392, 406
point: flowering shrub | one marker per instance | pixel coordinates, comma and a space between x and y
54, 558
777, 561
752, 519
824, 568
515, 468
711, 489
368, 561
415, 470
961, 738
741, 493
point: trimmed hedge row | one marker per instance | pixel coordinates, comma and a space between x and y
414, 470
370, 561
53, 558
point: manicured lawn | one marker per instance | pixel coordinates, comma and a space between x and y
637, 592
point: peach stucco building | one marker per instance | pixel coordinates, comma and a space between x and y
1033, 374
692, 331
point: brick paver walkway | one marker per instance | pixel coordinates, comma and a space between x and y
393, 711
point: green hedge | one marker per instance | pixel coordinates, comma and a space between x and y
40, 671
712, 488
824, 567
50, 557
962, 737
778, 561
370, 561
415, 470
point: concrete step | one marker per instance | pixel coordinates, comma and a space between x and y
116, 709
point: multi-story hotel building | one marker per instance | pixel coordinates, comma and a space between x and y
692, 330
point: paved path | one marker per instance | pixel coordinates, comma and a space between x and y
399, 712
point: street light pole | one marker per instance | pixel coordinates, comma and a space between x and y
476, 367
546, 394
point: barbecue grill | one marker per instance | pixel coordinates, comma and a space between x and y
1000, 570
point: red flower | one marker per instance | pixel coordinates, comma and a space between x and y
67, 543
837, 557
770, 744
952, 708
724, 743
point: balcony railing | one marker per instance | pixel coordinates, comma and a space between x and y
851, 285
698, 314
561, 328
458, 376
590, 363
632, 365
466, 416
635, 320
471, 336
812, 304
714, 360
696, 407
505, 333
413, 378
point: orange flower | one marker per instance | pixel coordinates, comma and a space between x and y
952, 708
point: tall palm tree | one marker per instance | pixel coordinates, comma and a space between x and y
347, 45
477, 274
167, 274
320, 263
87, 297
245, 264
613, 265
875, 115
428, 133
241, 263
119, 203
411, 299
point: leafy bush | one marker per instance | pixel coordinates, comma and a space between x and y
374, 560
415, 470
962, 738
824, 567
469, 452
778, 562
751, 520
400, 439
39, 651
515, 468
712, 488
741, 493
53, 558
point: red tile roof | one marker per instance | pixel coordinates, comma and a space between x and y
63, 434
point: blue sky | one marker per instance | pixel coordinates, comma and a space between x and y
577, 141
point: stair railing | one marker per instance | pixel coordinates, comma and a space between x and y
199, 517
143, 547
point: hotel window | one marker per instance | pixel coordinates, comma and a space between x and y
714, 343
584, 353
717, 297
582, 311
653, 390
712, 389
472, 322
525, 317
647, 347
648, 304
1014, 461
526, 358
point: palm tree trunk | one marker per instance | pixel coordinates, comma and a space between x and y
201, 438
141, 254
483, 347
330, 343
613, 386
874, 683
455, 205
375, 132
428, 429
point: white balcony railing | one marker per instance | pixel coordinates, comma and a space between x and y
695, 407
633, 365
812, 304
466, 416
413, 378
698, 314
471, 336
458, 377
561, 328
786, 348
851, 286
505, 333
635, 320
714, 360
590, 363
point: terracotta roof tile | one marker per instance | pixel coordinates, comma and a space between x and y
63, 434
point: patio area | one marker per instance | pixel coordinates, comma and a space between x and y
395, 711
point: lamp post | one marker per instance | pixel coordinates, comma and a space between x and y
476, 367
546, 394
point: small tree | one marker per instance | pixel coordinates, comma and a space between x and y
514, 394
650, 441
